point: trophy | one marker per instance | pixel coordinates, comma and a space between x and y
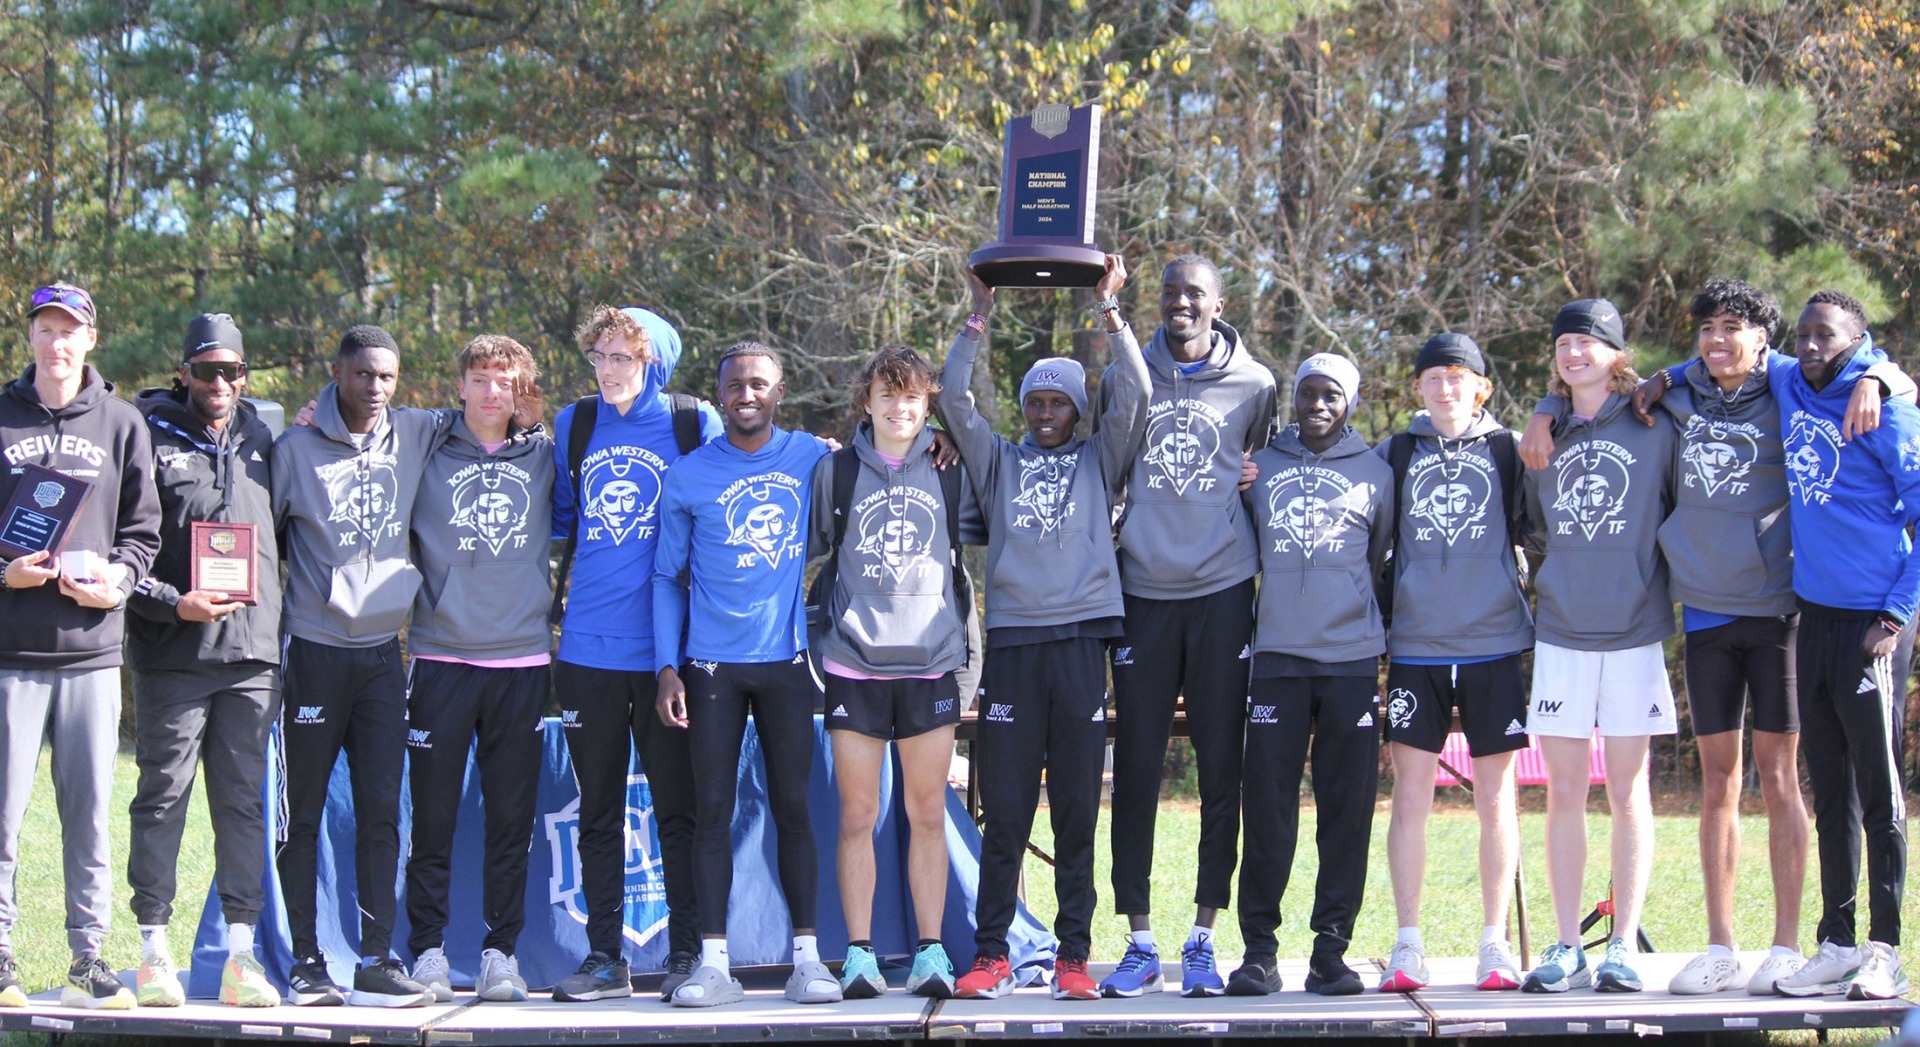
1048, 180
223, 559
40, 512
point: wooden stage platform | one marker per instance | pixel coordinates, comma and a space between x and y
1450, 1008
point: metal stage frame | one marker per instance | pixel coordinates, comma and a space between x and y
1450, 1008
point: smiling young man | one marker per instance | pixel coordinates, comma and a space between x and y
1323, 509
343, 495
730, 636
1053, 607
480, 644
1187, 563
60, 633
206, 681
607, 501
1856, 579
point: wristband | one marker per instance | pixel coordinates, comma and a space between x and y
1893, 624
1666, 377
976, 323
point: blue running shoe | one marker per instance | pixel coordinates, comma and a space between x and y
1563, 967
1614, 973
932, 974
1197, 976
860, 974
1138, 973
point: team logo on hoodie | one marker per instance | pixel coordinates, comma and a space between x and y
362, 494
1719, 455
1183, 439
764, 519
1042, 501
1813, 457
1308, 505
490, 499
1592, 480
1448, 497
896, 532
620, 492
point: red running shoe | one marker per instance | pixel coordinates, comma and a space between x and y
990, 979
1070, 980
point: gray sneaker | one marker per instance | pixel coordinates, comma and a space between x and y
1880, 977
430, 969
500, 980
1826, 974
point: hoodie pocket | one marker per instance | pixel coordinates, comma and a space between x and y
1317, 609
483, 613
373, 596
1595, 592
1725, 547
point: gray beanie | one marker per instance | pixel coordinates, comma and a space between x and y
1060, 374
1330, 365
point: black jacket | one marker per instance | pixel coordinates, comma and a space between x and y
99, 438
209, 476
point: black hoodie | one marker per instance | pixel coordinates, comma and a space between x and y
101, 439
205, 476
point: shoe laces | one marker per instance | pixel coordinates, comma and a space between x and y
1560, 956
1406, 956
595, 963
1135, 960
92, 965
1196, 956
1070, 965
1616, 952
986, 963
681, 963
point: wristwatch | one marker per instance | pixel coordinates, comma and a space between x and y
1105, 306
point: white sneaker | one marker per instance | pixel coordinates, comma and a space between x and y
500, 979
1406, 969
1826, 974
430, 969
1775, 967
1880, 977
1706, 973
1498, 969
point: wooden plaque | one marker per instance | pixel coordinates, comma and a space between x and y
40, 512
224, 560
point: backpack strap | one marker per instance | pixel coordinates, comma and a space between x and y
962, 585
686, 421
586, 413
1506, 461
1400, 448
846, 470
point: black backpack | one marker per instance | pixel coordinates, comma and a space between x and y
586, 414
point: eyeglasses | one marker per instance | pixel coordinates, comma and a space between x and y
70, 298
208, 370
617, 361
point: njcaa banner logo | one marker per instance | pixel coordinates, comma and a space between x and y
491, 500
1813, 457
1719, 455
620, 493
1592, 481
1183, 444
764, 519
1448, 497
1308, 505
645, 895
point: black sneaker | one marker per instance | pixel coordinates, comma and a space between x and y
93, 985
12, 993
600, 977
680, 967
309, 985
1256, 976
385, 983
1329, 975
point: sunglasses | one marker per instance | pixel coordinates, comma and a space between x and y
69, 297
208, 370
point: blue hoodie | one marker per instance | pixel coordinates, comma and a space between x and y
609, 622
733, 553
1852, 501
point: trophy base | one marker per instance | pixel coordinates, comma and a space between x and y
1038, 265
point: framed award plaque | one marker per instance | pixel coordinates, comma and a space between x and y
224, 560
40, 512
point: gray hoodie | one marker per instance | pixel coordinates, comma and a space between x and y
1183, 533
1325, 523
893, 611
1600, 501
1050, 556
341, 505
1456, 590
480, 528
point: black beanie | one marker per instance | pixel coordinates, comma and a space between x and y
366, 336
212, 331
1450, 350
1591, 316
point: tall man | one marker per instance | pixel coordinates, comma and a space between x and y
206, 680
480, 643
1856, 580
61, 630
608, 500
1187, 561
343, 492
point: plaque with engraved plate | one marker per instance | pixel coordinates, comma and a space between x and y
223, 560
40, 512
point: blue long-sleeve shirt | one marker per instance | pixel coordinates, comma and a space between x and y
1852, 501
728, 572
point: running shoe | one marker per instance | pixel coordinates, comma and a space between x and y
680, 965
600, 977
1406, 969
384, 983
1498, 970
932, 974
1880, 977
1329, 975
1198, 978
1614, 973
93, 985
309, 985
990, 979
1071, 980
12, 994
243, 983
1706, 973
860, 974
1256, 976
158, 983
1137, 974
1563, 967
500, 980
1826, 974
430, 969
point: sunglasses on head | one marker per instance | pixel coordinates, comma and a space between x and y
208, 370
70, 297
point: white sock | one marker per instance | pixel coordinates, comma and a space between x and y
1409, 936
1144, 939
153, 942
1783, 950
1722, 951
806, 949
713, 953
1200, 934
1492, 932
239, 939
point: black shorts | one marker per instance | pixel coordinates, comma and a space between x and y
1491, 697
1747, 656
892, 709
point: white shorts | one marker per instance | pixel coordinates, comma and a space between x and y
1623, 693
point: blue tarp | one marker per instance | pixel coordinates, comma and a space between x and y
554, 939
